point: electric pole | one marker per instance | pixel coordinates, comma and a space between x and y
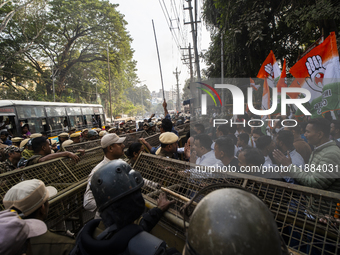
178, 102
193, 24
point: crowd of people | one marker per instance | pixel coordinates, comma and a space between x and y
113, 190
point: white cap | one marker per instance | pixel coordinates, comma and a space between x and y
110, 139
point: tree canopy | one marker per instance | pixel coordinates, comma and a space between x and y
251, 28
69, 42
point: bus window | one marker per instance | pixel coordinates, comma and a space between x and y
88, 121
35, 125
76, 121
25, 112
55, 111
56, 124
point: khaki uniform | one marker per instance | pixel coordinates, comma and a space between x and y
33, 160
164, 153
52, 244
27, 154
6, 166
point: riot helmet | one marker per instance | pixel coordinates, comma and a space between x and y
92, 134
113, 181
232, 221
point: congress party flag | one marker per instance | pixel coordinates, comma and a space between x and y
319, 72
270, 70
282, 83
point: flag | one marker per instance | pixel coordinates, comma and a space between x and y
282, 83
252, 84
270, 70
319, 72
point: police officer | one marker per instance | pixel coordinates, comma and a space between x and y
117, 191
13, 155
168, 145
17, 140
75, 137
62, 138
233, 221
92, 135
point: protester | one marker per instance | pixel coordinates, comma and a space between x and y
224, 151
326, 153
133, 152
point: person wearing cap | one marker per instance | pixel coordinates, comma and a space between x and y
117, 192
54, 146
66, 143
75, 137
112, 130
16, 141
113, 148
13, 155
165, 127
168, 145
146, 126
102, 133
16, 233
72, 130
30, 200
92, 135
26, 144
62, 138
152, 129
42, 152
84, 135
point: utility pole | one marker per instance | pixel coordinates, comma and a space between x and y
53, 84
194, 37
189, 57
178, 102
108, 66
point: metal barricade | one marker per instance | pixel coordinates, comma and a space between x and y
60, 173
306, 217
84, 145
183, 129
133, 137
66, 210
153, 140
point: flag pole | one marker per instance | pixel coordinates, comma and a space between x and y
159, 60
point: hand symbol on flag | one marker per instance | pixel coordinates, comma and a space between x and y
316, 72
269, 69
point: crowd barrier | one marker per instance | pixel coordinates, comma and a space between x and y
306, 217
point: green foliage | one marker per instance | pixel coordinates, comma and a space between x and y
251, 28
72, 37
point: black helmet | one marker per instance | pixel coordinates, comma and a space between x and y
232, 221
92, 133
114, 181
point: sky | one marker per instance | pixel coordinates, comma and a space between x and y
139, 15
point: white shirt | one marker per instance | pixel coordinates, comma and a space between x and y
89, 202
208, 159
268, 162
297, 159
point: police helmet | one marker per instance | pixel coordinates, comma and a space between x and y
232, 221
92, 133
113, 181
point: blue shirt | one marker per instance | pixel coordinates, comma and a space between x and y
8, 142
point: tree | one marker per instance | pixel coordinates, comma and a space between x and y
80, 32
251, 28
